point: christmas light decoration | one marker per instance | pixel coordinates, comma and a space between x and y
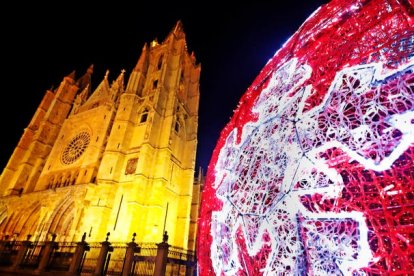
314, 173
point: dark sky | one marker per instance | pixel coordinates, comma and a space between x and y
43, 43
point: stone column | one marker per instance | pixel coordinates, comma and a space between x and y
81, 248
129, 256
4, 243
47, 254
103, 254
162, 255
22, 252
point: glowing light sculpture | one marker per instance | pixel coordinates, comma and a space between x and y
314, 173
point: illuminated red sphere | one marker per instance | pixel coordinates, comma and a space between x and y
314, 173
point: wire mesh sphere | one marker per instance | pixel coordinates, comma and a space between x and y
314, 173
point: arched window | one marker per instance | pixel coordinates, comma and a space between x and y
144, 115
51, 181
66, 182
58, 182
74, 177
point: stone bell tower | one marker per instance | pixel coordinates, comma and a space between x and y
150, 153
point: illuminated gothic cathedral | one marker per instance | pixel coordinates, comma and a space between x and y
119, 158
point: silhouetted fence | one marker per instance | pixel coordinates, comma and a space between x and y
104, 258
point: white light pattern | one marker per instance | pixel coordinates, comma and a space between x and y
280, 158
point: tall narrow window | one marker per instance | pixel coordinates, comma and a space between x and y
177, 127
155, 84
144, 116
160, 62
181, 84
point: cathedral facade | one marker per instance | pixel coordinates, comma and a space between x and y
119, 158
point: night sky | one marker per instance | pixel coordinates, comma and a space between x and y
43, 43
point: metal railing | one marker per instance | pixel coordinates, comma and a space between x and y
62, 255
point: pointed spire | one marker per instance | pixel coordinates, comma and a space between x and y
119, 82
178, 30
101, 95
101, 91
85, 80
90, 69
118, 86
102, 88
105, 81
142, 63
178, 27
83, 95
121, 76
72, 75
80, 99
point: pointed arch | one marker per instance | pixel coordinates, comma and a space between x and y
144, 114
62, 217
74, 177
51, 182
36, 229
59, 181
5, 225
66, 180
179, 125
26, 220
3, 217
65, 222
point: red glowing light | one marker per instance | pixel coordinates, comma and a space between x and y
314, 173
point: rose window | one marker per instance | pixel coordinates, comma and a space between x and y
75, 148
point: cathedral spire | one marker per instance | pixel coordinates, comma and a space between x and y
177, 31
72, 75
120, 79
142, 63
178, 27
104, 83
85, 80
121, 76
119, 82
99, 96
118, 86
